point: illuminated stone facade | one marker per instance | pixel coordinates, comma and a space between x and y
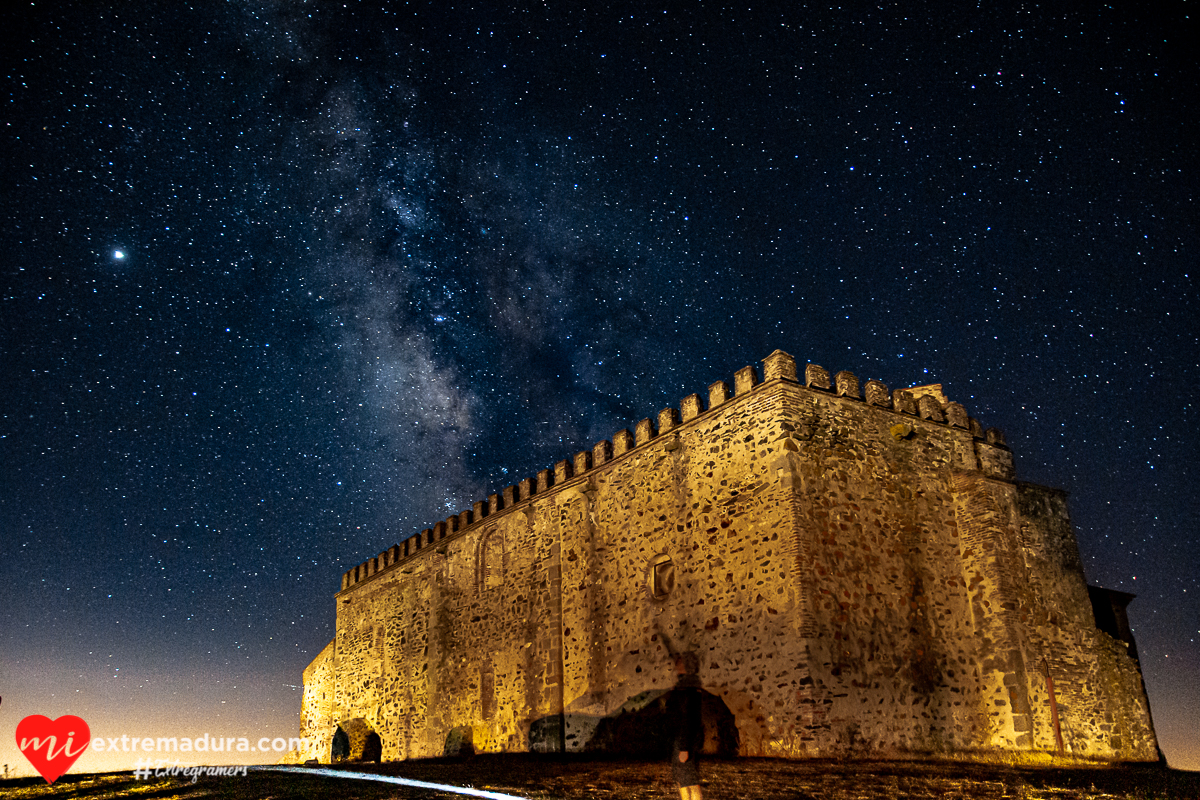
858, 570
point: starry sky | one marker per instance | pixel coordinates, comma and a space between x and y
284, 283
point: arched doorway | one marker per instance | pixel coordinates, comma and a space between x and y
339, 749
356, 740
373, 748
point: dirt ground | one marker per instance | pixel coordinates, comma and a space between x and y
546, 778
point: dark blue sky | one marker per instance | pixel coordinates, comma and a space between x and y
286, 283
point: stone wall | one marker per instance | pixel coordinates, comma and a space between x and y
858, 571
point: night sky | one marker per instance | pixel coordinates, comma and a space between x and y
282, 284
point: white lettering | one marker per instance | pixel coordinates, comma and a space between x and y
50, 742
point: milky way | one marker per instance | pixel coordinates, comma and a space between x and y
286, 283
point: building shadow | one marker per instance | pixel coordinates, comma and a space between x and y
643, 726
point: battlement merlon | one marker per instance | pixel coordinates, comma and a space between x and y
927, 402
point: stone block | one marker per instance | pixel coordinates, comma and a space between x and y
903, 402
816, 377
745, 379
956, 415
623, 442
847, 385
779, 365
929, 408
718, 393
877, 394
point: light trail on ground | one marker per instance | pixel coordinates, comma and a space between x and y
368, 776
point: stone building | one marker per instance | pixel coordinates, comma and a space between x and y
858, 570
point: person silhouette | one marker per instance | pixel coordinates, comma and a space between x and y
685, 711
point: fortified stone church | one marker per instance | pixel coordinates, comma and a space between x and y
858, 570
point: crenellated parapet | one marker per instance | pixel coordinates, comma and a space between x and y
924, 403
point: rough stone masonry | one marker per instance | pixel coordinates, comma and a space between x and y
858, 570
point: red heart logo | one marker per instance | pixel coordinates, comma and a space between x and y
50, 745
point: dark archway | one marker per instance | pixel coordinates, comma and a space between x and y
339, 750
356, 740
373, 748
460, 741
